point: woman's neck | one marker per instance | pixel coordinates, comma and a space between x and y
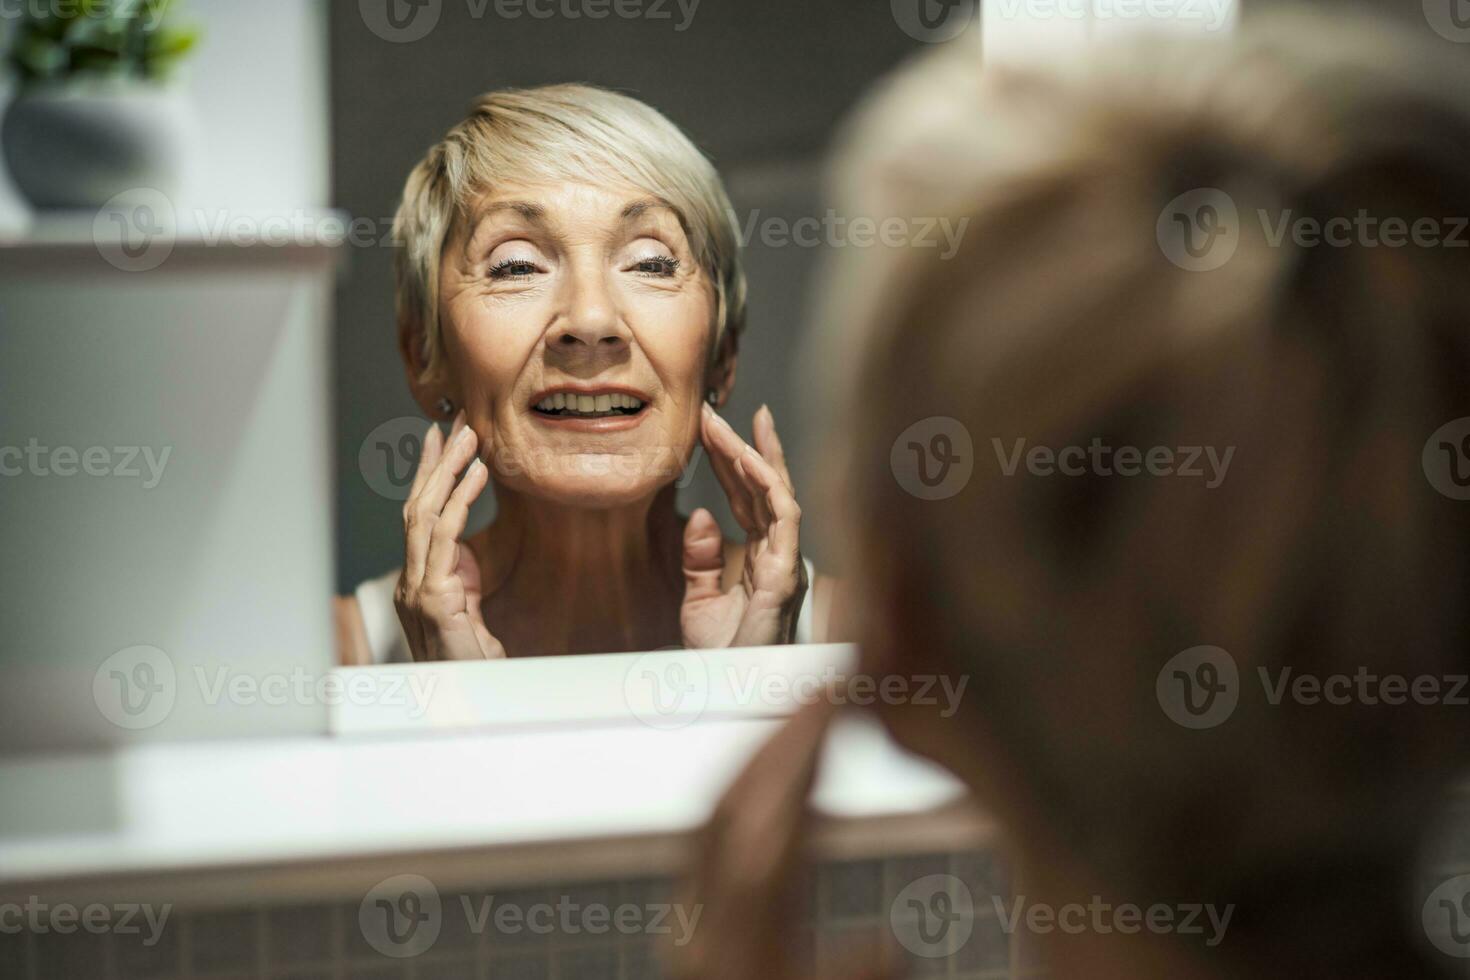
560, 579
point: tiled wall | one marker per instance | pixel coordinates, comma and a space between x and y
854, 909
848, 916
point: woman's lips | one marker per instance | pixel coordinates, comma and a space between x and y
582, 423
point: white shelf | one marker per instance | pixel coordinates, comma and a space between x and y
83, 243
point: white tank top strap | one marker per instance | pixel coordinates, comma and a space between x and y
389, 645
804, 630
386, 639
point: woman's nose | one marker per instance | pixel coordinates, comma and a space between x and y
591, 320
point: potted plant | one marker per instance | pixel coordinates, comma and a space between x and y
95, 114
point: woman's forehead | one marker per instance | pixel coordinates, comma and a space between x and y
554, 201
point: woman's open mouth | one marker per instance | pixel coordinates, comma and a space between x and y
602, 406
591, 410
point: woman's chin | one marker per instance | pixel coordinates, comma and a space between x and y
594, 491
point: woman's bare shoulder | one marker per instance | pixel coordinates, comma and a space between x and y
353, 649
825, 599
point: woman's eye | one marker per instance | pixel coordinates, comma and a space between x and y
512, 269
658, 265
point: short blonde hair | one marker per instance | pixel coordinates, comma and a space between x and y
567, 133
1062, 321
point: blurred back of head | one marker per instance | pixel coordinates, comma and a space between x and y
1124, 282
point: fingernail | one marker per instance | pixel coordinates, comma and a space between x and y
478, 464
465, 435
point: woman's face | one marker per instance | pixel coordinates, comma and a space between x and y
577, 331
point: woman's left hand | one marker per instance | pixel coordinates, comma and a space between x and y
762, 608
748, 869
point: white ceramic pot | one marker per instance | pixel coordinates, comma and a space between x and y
79, 144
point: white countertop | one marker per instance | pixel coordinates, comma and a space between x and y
595, 791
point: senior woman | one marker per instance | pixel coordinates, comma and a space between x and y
1089, 609
570, 301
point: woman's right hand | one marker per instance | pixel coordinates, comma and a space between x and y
438, 595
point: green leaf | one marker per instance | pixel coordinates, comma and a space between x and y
40, 57
129, 37
173, 42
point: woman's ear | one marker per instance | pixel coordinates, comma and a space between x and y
722, 371
427, 390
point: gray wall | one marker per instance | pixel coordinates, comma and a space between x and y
758, 85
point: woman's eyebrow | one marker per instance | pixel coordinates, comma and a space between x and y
526, 209
639, 208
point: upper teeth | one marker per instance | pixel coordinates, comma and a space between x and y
587, 403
